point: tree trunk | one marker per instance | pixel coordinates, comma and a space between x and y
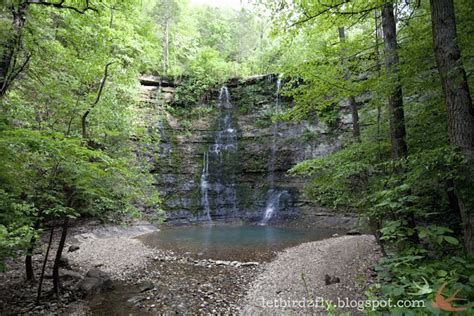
351, 99
453, 203
43, 269
378, 36
355, 118
30, 274
10, 51
165, 47
97, 99
395, 99
57, 259
458, 104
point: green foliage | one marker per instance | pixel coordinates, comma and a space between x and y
409, 202
253, 97
15, 227
418, 277
208, 45
206, 70
48, 170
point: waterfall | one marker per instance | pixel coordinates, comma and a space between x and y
205, 188
272, 205
224, 98
217, 177
278, 87
273, 195
157, 95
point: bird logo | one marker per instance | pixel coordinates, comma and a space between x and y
445, 303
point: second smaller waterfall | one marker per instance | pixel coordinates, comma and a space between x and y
272, 205
205, 188
278, 88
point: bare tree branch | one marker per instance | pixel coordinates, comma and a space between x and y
21, 68
97, 99
60, 5
333, 8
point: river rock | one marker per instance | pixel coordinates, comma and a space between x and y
73, 248
328, 280
69, 274
222, 263
95, 281
64, 262
249, 264
146, 286
136, 299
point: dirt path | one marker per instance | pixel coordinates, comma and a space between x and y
281, 288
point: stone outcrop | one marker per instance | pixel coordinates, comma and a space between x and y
155, 88
185, 138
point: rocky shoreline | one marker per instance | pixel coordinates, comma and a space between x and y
150, 280
145, 279
155, 280
319, 272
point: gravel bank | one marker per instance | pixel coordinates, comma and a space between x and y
348, 258
118, 256
176, 281
186, 283
112, 249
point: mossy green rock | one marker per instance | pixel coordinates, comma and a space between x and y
187, 134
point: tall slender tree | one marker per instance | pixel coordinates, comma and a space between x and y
458, 103
395, 98
166, 12
351, 98
9, 68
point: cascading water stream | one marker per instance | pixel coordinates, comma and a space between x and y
278, 87
273, 195
224, 98
205, 188
215, 177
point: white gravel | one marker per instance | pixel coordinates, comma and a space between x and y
118, 256
112, 249
348, 258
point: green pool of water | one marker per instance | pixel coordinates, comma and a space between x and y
234, 241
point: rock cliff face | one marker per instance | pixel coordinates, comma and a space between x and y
226, 160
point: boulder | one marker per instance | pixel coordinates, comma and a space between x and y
73, 248
95, 281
